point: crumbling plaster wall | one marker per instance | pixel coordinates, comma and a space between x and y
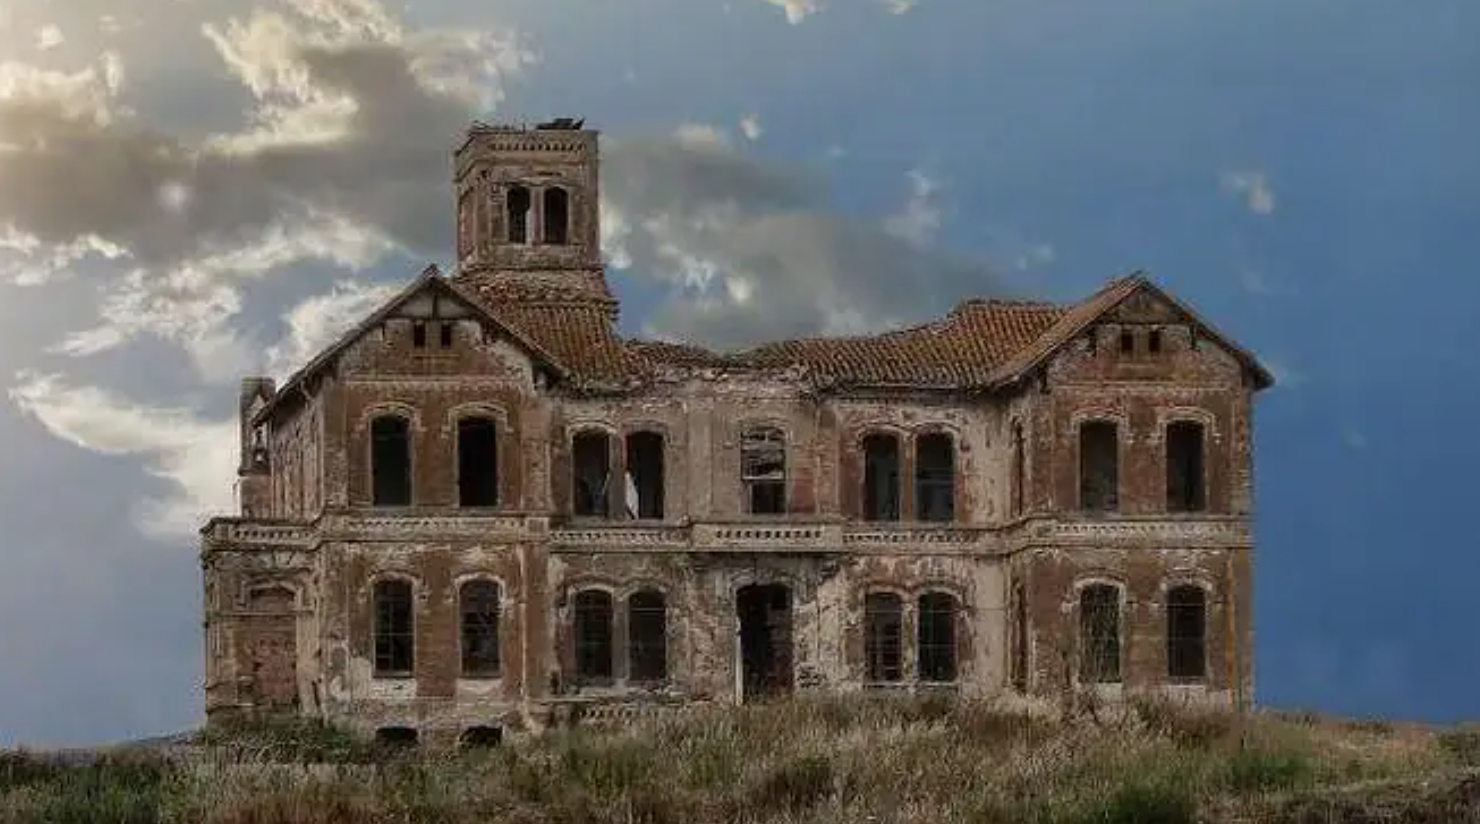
296, 444
245, 621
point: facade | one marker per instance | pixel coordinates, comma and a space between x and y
482, 506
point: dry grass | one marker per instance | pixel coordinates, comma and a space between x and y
826, 760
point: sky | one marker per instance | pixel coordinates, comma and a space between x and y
196, 190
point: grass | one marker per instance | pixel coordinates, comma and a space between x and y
857, 759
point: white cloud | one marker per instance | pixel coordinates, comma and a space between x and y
1040, 254
49, 37
321, 320
1353, 437
1284, 375
920, 219
1253, 187
900, 6
750, 126
797, 10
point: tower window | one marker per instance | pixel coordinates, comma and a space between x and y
557, 216
518, 214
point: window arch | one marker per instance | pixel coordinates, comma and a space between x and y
883, 638
881, 477
935, 627
763, 470
1186, 610
517, 205
478, 608
1099, 634
395, 628
935, 477
477, 461
1186, 490
593, 636
556, 219
390, 460
1099, 466
647, 636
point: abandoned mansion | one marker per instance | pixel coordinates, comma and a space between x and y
483, 507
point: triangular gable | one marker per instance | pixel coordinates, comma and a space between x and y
430, 278
1103, 303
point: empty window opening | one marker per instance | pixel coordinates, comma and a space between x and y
1127, 342
395, 632
478, 601
444, 331
881, 478
645, 475
1099, 634
477, 462
557, 216
518, 214
1019, 468
763, 470
478, 738
1099, 466
1186, 491
1019, 639
1186, 633
647, 636
396, 737
1153, 341
935, 477
591, 465
936, 637
593, 636
390, 461
883, 639
418, 334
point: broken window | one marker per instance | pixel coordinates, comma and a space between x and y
880, 478
1099, 634
395, 640
645, 475
1153, 341
936, 636
935, 477
418, 335
477, 462
593, 636
390, 461
647, 636
1099, 471
478, 603
557, 216
883, 637
481, 737
763, 470
591, 464
1185, 489
1019, 638
1127, 342
1019, 468
1186, 633
518, 214
444, 332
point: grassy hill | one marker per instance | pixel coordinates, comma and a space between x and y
827, 761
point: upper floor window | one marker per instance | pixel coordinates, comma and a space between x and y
1186, 633
1019, 469
935, 477
591, 467
556, 221
517, 204
881, 478
477, 462
1185, 488
390, 461
593, 636
936, 637
1099, 470
647, 634
478, 603
883, 637
1099, 634
645, 455
395, 631
763, 470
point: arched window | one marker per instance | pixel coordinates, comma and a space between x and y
390, 461
883, 637
518, 203
645, 475
478, 604
1099, 466
1099, 634
1185, 488
936, 631
593, 636
1186, 633
477, 462
395, 629
591, 468
880, 477
763, 470
557, 216
647, 636
935, 477
1019, 471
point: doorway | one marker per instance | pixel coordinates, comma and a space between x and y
764, 611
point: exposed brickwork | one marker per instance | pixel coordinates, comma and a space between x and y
290, 583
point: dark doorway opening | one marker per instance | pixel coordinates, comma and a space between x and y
765, 640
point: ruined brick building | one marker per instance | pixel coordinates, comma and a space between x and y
483, 505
